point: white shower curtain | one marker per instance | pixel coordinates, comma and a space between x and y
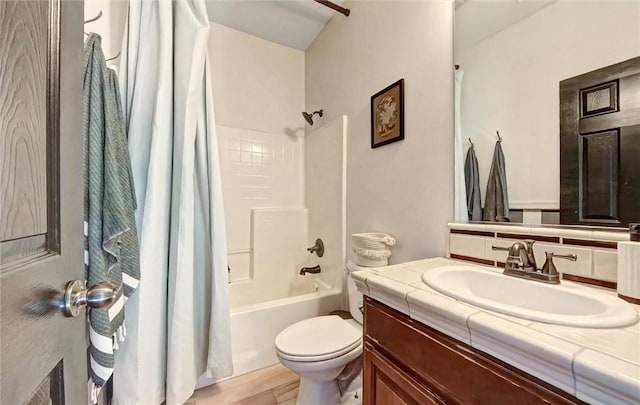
178, 323
460, 192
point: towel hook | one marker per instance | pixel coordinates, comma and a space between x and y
499, 137
472, 145
115, 57
96, 18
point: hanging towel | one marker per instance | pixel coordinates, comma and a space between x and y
111, 241
496, 204
472, 181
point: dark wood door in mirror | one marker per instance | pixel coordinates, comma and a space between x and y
600, 146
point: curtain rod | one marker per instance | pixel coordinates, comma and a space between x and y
334, 6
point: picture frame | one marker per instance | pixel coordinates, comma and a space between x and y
387, 115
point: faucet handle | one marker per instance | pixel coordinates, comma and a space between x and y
318, 248
549, 267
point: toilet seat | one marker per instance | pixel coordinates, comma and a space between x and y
318, 339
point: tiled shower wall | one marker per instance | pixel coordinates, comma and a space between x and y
259, 170
258, 89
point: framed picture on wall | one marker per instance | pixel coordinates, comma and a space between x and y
387, 115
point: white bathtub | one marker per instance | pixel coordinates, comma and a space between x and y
254, 327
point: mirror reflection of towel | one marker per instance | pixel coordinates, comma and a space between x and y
472, 181
496, 204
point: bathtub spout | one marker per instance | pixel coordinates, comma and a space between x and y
312, 270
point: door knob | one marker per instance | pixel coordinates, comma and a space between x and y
76, 297
46, 301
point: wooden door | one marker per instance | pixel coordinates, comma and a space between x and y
385, 384
43, 357
600, 146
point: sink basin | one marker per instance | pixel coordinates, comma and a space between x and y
564, 304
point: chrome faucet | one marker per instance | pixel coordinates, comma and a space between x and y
521, 262
521, 256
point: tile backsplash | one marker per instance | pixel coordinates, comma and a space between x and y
596, 251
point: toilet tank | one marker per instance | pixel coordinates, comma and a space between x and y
356, 298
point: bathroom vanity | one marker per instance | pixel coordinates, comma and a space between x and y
406, 362
423, 347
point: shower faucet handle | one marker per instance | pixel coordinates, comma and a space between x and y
318, 248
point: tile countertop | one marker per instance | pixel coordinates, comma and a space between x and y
600, 366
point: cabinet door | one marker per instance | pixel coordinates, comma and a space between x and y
386, 384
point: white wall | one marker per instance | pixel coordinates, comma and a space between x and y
258, 95
511, 84
404, 188
110, 26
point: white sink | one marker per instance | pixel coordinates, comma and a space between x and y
564, 304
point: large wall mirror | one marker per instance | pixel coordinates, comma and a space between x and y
512, 56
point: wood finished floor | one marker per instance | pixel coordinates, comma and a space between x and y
274, 385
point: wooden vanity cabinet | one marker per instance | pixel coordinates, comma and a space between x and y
406, 362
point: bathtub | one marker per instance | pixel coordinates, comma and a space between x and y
254, 327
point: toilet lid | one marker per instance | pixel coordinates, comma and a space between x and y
317, 339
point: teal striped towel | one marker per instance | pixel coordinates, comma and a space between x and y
111, 241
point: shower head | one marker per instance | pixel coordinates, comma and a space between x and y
309, 117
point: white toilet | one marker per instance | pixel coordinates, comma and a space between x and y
319, 348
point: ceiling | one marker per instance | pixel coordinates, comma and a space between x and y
296, 23
292, 23
477, 20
